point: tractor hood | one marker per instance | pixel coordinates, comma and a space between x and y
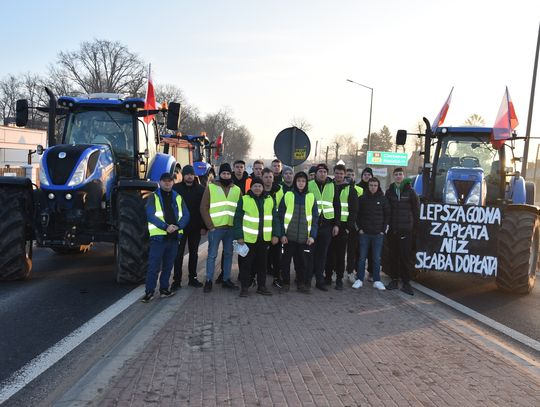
71, 166
465, 186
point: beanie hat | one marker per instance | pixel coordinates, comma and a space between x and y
367, 169
256, 180
312, 169
188, 169
321, 166
225, 167
286, 168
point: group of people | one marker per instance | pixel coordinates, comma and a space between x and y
325, 225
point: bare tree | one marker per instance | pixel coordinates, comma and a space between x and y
475, 120
346, 143
99, 66
10, 91
237, 139
301, 123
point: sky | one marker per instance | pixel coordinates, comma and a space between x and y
271, 61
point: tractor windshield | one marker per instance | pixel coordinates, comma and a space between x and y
110, 127
113, 128
466, 152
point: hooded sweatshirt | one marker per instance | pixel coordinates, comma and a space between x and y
297, 231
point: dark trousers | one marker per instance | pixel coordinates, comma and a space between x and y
335, 259
160, 259
298, 252
254, 264
320, 251
193, 238
274, 260
352, 252
400, 250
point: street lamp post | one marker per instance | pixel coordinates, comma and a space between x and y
370, 111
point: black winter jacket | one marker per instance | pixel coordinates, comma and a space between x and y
405, 208
192, 196
373, 212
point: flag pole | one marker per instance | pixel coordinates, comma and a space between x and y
529, 116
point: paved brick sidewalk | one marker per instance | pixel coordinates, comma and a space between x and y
350, 348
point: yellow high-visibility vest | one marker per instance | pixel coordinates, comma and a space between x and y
251, 219
325, 200
222, 207
153, 230
289, 209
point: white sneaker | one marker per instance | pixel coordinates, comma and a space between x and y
378, 285
357, 284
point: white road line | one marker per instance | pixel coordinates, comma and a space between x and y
44, 361
524, 339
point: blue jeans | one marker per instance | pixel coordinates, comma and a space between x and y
224, 235
376, 243
161, 257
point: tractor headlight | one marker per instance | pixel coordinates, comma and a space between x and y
450, 196
79, 174
43, 177
474, 195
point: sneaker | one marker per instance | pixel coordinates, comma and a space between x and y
207, 286
219, 280
339, 284
244, 293
276, 283
320, 286
392, 285
407, 289
378, 285
195, 283
147, 297
165, 293
286, 287
263, 291
304, 290
229, 284
357, 284
351, 277
328, 280
175, 286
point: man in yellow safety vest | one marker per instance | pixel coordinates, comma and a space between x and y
256, 225
167, 215
218, 206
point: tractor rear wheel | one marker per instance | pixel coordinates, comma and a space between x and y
133, 241
15, 245
519, 240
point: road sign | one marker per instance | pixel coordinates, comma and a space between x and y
292, 146
380, 172
387, 158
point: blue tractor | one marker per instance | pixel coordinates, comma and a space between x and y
465, 170
92, 186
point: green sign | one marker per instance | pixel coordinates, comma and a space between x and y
387, 158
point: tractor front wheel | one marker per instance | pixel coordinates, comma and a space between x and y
132, 246
519, 240
15, 245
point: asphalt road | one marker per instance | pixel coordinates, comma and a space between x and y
64, 292
519, 312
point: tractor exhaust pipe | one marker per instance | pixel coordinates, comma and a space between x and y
51, 130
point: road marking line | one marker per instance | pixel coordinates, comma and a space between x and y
45, 360
518, 336
55, 353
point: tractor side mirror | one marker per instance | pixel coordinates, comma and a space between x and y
173, 116
401, 137
39, 149
21, 115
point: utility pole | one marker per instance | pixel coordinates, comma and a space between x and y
326, 157
529, 117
